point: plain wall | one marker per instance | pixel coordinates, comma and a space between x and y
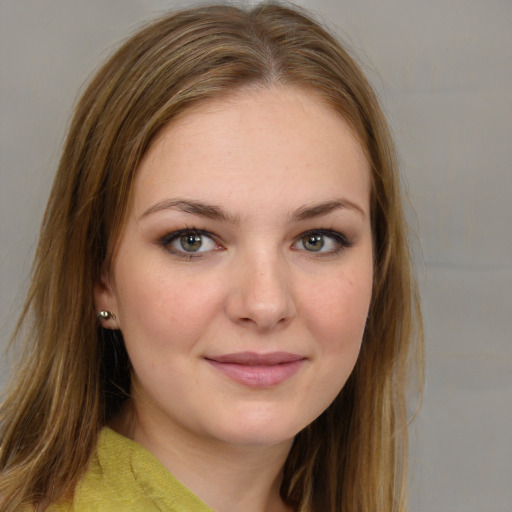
443, 69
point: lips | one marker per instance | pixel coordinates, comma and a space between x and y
258, 370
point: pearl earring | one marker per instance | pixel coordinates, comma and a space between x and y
105, 315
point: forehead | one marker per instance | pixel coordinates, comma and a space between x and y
266, 143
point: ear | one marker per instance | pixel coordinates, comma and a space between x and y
105, 300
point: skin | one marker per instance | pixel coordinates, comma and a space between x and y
273, 165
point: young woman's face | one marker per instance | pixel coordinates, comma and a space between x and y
243, 276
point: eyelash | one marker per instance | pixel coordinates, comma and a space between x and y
167, 240
341, 241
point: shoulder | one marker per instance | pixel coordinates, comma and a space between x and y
124, 476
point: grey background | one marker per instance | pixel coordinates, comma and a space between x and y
443, 69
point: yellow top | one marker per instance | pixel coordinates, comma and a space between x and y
123, 476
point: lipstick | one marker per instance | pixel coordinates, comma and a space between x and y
258, 370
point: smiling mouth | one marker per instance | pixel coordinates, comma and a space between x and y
258, 370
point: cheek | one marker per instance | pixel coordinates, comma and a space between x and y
163, 310
337, 314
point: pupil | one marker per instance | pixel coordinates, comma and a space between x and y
314, 242
191, 242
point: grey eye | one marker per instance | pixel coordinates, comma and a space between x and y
321, 241
191, 242
314, 242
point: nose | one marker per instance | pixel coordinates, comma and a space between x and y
261, 294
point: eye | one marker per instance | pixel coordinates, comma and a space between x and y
314, 242
321, 241
188, 242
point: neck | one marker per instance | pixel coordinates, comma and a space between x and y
225, 476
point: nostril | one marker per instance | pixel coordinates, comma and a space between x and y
263, 324
261, 299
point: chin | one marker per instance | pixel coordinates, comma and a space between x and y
257, 437
254, 430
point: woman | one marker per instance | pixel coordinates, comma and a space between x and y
222, 314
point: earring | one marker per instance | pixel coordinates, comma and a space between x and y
105, 315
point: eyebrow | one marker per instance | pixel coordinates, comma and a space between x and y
217, 213
317, 210
194, 207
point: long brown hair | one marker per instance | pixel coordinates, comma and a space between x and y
354, 456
